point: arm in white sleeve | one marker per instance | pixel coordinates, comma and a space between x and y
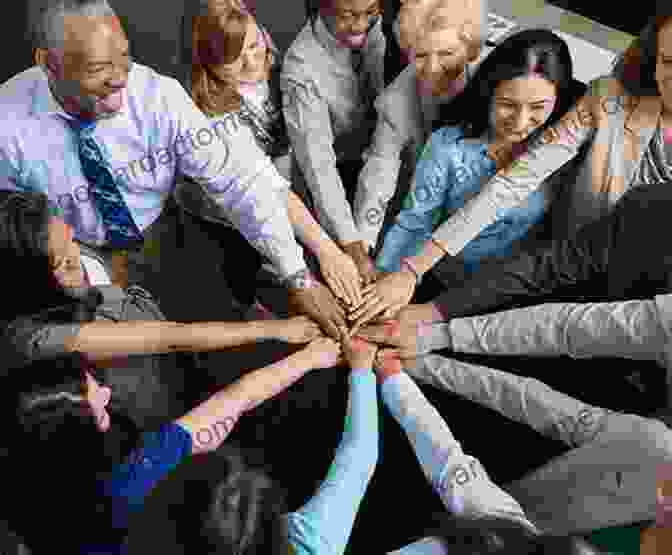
309, 128
239, 177
460, 479
378, 178
629, 329
511, 185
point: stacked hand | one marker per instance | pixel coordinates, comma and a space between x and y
325, 352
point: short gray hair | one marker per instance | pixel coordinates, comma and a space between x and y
45, 18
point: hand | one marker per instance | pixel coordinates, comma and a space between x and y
341, 275
318, 303
359, 353
323, 352
299, 329
358, 251
393, 333
386, 297
414, 314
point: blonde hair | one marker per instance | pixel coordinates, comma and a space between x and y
218, 39
436, 15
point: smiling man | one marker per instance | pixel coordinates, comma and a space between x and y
332, 73
81, 122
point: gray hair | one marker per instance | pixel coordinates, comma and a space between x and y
46, 17
475, 29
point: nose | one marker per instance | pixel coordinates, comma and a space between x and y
360, 24
522, 120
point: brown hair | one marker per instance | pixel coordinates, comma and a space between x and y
636, 67
219, 39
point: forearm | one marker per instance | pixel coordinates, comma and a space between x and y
100, 340
255, 387
630, 329
308, 231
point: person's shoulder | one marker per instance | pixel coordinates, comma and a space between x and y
448, 137
605, 86
144, 82
303, 49
18, 92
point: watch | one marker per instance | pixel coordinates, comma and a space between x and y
302, 279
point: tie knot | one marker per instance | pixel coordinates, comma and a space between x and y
83, 127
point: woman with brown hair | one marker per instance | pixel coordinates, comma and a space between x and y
233, 80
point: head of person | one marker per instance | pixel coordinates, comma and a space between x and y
84, 52
40, 256
350, 20
492, 535
645, 68
69, 436
212, 503
522, 87
230, 52
450, 36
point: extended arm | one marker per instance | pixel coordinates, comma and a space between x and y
333, 508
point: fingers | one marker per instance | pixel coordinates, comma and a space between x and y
363, 316
352, 288
336, 287
376, 334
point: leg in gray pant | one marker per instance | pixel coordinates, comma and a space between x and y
608, 478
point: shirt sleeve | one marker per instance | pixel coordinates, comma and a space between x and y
630, 329
238, 176
421, 210
26, 340
309, 129
460, 479
511, 185
378, 179
130, 482
324, 523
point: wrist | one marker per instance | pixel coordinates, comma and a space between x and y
409, 267
303, 279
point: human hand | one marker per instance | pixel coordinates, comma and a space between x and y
358, 353
299, 329
404, 337
358, 252
319, 304
385, 297
322, 352
341, 274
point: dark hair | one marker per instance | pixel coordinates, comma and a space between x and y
59, 456
494, 535
212, 503
636, 67
532, 50
29, 284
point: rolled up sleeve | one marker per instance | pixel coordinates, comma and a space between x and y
240, 179
309, 128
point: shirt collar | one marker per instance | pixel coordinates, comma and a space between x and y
45, 104
342, 54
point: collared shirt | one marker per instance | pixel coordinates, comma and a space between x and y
327, 109
158, 135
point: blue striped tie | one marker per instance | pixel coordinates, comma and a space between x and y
120, 229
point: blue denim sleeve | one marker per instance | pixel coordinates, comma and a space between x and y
131, 481
423, 206
323, 525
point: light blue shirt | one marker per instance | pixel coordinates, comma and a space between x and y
159, 135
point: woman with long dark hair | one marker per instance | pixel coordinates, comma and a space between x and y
107, 471
523, 86
59, 300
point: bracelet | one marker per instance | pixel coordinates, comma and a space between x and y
405, 262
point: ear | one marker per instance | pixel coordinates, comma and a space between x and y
40, 56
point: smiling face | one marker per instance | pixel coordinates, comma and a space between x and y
440, 58
91, 71
664, 65
64, 255
520, 106
350, 20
